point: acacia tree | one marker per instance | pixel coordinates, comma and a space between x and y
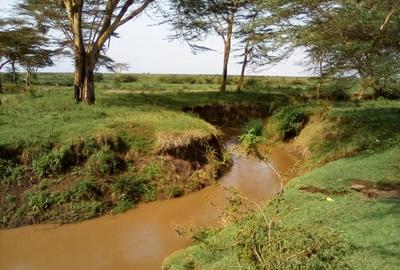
260, 39
86, 27
194, 21
23, 45
347, 36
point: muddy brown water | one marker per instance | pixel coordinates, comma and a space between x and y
142, 237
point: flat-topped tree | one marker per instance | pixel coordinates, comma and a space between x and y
194, 21
23, 45
86, 27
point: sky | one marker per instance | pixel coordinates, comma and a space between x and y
145, 47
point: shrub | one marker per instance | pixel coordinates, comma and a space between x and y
125, 78
98, 77
337, 89
103, 162
290, 122
251, 134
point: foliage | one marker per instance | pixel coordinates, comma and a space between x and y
290, 121
10, 172
103, 162
251, 134
53, 162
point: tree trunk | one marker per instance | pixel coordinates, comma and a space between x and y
227, 51
84, 78
14, 72
244, 65
1, 85
88, 82
28, 78
78, 76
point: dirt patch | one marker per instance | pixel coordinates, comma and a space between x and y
222, 114
198, 151
327, 192
383, 190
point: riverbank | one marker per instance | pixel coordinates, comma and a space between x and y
341, 214
61, 162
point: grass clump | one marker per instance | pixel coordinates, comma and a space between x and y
53, 162
103, 162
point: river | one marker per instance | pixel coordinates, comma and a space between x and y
141, 237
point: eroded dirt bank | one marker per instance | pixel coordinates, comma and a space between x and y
140, 238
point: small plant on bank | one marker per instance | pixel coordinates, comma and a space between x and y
251, 134
103, 162
52, 162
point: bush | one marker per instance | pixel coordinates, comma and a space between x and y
251, 134
337, 89
290, 122
98, 77
125, 78
103, 162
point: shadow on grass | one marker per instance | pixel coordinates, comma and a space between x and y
179, 100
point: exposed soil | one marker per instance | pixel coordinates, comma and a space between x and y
386, 190
196, 151
222, 114
312, 189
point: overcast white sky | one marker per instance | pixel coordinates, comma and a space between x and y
146, 49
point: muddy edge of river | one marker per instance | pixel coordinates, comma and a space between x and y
142, 237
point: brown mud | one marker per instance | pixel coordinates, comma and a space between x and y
388, 191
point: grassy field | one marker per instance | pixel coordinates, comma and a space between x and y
62, 162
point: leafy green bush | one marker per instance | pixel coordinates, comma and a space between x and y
254, 126
251, 134
290, 122
103, 162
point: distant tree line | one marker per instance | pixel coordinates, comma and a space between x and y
340, 37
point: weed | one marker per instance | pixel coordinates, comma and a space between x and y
10, 172
83, 191
122, 206
54, 162
103, 162
40, 201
